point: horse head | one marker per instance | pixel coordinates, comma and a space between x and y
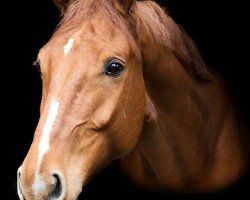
93, 102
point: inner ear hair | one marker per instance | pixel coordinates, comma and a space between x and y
126, 5
62, 5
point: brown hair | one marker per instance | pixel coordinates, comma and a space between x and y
158, 24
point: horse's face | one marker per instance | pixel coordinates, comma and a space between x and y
92, 110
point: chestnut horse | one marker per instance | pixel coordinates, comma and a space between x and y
121, 80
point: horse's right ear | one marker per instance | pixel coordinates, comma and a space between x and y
62, 5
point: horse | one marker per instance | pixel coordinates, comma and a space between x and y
122, 81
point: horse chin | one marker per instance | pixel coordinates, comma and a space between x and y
77, 183
76, 192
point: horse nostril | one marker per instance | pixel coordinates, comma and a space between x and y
57, 191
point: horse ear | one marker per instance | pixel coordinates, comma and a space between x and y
62, 5
126, 5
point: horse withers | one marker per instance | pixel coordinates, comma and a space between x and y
122, 81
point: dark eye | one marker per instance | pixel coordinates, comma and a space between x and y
114, 68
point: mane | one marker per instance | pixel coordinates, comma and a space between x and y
161, 28
158, 24
82, 10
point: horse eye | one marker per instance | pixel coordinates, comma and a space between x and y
114, 68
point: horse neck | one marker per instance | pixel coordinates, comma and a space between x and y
187, 126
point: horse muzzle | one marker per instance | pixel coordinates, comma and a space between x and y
51, 187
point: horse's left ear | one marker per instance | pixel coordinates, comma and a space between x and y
62, 5
126, 5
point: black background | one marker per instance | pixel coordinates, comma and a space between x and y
219, 30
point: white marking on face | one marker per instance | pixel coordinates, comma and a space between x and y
68, 46
38, 184
44, 143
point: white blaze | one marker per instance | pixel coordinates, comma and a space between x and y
38, 185
68, 46
44, 143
